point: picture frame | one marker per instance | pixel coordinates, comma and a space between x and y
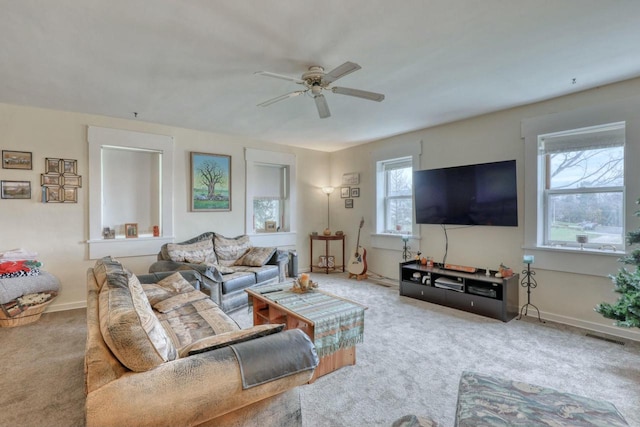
345, 192
355, 192
348, 203
69, 166
50, 180
352, 178
52, 194
131, 230
70, 194
270, 226
210, 182
15, 189
72, 181
51, 165
17, 160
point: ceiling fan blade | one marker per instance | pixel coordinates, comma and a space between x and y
372, 96
280, 76
281, 98
340, 71
323, 108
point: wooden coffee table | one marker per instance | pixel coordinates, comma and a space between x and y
315, 313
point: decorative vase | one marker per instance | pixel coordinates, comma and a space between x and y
326, 232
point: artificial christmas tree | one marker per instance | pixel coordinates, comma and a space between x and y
626, 311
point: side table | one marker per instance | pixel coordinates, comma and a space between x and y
326, 240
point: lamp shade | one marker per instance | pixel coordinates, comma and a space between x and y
327, 190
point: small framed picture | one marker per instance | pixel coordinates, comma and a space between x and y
69, 166
16, 160
270, 226
72, 180
352, 178
51, 165
70, 194
52, 194
15, 189
355, 192
50, 180
348, 203
131, 230
344, 192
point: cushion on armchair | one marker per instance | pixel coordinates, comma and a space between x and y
256, 257
129, 327
229, 249
196, 253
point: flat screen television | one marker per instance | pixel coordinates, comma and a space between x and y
480, 194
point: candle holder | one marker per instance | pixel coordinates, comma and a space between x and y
530, 283
406, 253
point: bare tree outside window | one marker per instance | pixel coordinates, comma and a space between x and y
584, 193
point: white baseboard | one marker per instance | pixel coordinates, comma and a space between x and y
615, 331
66, 306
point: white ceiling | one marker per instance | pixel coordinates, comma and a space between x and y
191, 63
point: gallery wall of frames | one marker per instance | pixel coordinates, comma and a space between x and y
59, 183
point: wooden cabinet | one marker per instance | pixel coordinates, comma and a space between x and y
473, 292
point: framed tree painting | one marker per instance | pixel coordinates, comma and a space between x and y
210, 182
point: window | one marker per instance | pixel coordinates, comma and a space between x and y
397, 183
582, 180
130, 181
393, 180
271, 197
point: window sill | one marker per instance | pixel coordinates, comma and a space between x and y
394, 242
591, 262
122, 247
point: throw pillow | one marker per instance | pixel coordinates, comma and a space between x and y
228, 338
256, 257
195, 253
167, 288
130, 328
229, 249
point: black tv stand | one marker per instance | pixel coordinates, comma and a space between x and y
473, 292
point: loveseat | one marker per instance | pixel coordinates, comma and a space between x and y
228, 265
159, 352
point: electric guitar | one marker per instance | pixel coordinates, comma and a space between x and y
358, 261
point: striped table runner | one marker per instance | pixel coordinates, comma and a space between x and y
337, 323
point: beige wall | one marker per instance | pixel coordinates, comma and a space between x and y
58, 231
564, 297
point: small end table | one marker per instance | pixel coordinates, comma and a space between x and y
326, 240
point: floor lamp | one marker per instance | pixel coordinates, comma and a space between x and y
327, 191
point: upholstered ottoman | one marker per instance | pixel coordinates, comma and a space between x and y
487, 401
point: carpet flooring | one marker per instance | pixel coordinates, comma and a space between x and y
409, 363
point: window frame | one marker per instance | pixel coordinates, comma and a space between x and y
99, 137
254, 158
598, 263
406, 161
392, 241
547, 192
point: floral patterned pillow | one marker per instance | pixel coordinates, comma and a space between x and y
229, 249
256, 257
195, 253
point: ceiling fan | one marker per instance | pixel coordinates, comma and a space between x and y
315, 81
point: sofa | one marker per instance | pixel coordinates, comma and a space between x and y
228, 265
161, 353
